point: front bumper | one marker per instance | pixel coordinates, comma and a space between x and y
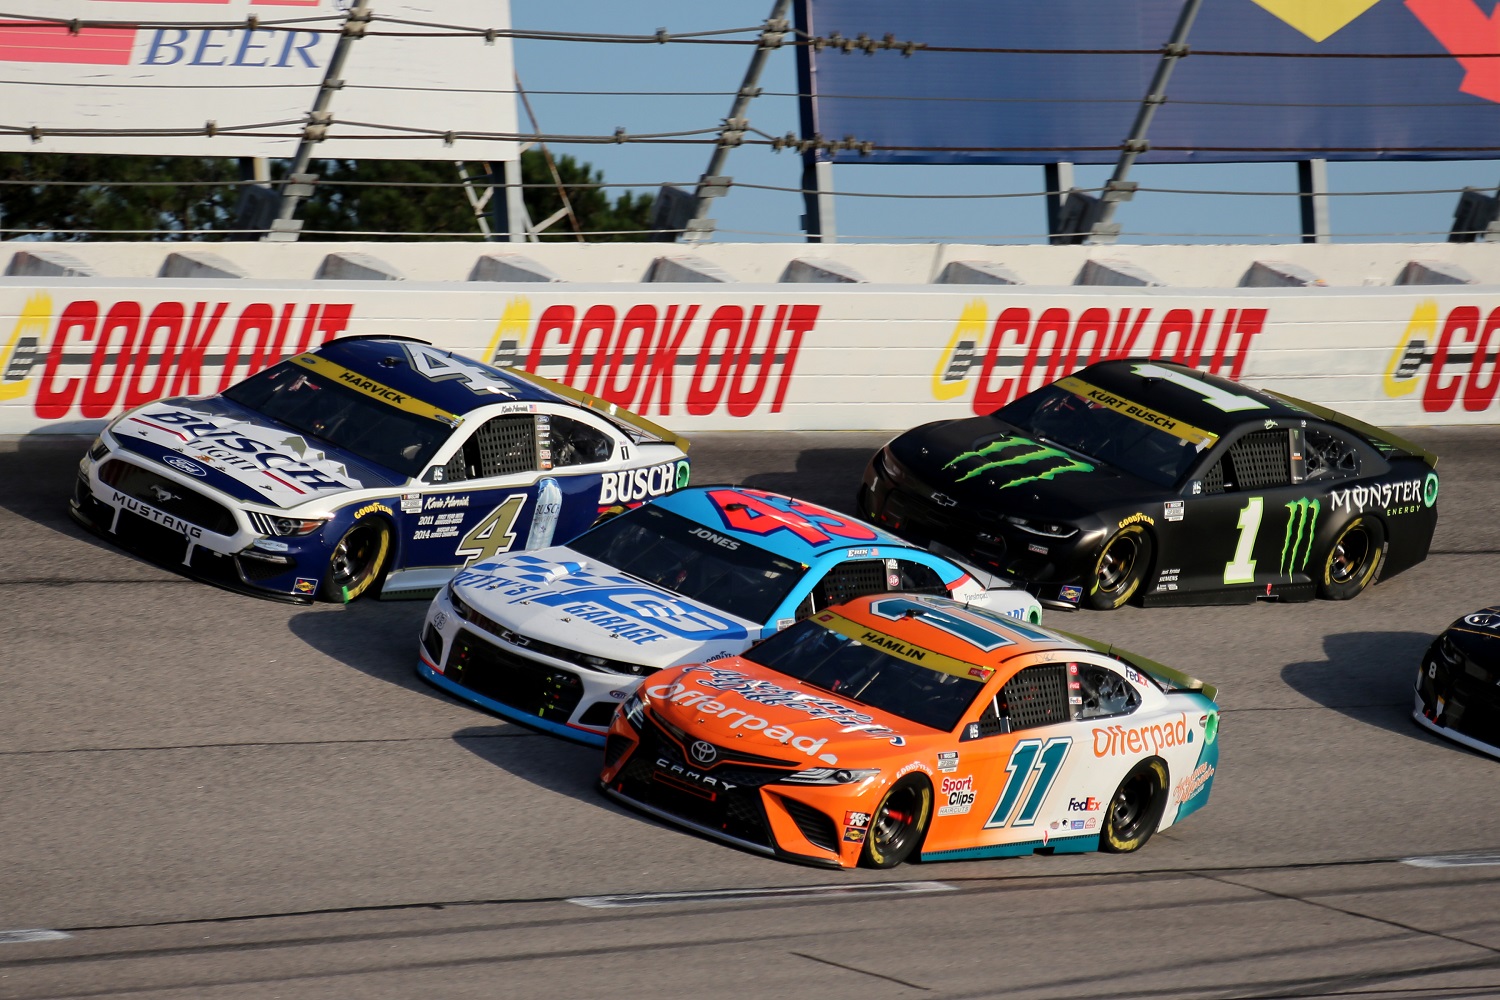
472, 662
734, 803
1458, 701
1053, 570
207, 539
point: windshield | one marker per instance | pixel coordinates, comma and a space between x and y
676, 554
867, 674
1053, 415
361, 425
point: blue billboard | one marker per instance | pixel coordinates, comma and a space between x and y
1267, 80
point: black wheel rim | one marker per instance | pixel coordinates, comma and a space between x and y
354, 557
1132, 805
1117, 563
896, 823
1349, 555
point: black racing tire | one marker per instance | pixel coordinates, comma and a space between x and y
1136, 807
899, 823
1352, 559
358, 560
1120, 569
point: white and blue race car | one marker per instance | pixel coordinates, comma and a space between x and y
557, 638
371, 464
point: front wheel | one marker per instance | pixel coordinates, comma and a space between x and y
1120, 569
898, 824
1352, 560
1136, 808
357, 560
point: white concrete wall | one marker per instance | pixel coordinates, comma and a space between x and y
897, 349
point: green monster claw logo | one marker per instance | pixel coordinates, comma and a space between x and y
1301, 523
1036, 453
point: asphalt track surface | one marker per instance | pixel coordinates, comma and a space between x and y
215, 796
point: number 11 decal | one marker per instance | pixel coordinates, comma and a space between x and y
1029, 755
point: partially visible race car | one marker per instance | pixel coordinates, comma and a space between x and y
556, 639
909, 726
375, 464
1140, 478
1458, 683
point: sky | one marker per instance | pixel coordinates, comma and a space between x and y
969, 214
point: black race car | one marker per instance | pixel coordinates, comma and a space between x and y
1145, 478
1458, 684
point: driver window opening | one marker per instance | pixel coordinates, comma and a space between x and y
1096, 692
1257, 461
573, 442
1036, 696
501, 446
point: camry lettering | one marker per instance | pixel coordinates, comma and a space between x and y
677, 770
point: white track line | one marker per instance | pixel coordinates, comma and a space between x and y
736, 895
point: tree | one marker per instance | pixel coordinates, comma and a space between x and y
82, 197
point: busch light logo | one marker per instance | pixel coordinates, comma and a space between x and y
1301, 523
186, 465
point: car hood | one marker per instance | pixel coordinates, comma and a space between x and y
766, 714
1477, 636
558, 596
243, 454
982, 462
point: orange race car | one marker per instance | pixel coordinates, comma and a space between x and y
900, 725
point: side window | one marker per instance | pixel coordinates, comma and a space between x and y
1259, 460
501, 446
1096, 692
1328, 455
917, 578
1036, 696
573, 442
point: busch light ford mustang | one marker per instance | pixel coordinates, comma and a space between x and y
1146, 479
908, 726
369, 464
558, 638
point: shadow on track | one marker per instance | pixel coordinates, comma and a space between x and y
1368, 677
545, 761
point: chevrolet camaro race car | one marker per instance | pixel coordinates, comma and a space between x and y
1458, 683
369, 464
1144, 478
556, 639
898, 726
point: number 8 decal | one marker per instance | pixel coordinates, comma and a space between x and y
1029, 755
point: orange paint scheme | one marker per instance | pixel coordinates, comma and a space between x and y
1006, 762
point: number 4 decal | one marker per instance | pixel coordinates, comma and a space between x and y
1241, 569
440, 367
493, 535
1029, 755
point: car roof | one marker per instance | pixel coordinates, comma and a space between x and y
950, 629
386, 360
1161, 388
798, 529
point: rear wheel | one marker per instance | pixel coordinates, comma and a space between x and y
898, 824
357, 560
1121, 567
1136, 808
1352, 561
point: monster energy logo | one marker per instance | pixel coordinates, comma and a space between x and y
1301, 523
1035, 453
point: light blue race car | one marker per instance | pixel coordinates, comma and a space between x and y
558, 637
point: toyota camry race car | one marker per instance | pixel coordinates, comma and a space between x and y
898, 726
1143, 478
368, 461
556, 639
1458, 684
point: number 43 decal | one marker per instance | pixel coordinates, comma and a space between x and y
1046, 759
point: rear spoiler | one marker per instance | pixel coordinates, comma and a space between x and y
1172, 680
1368, 430
616, 413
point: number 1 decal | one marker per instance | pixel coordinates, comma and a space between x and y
1241, 569
1029, 755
